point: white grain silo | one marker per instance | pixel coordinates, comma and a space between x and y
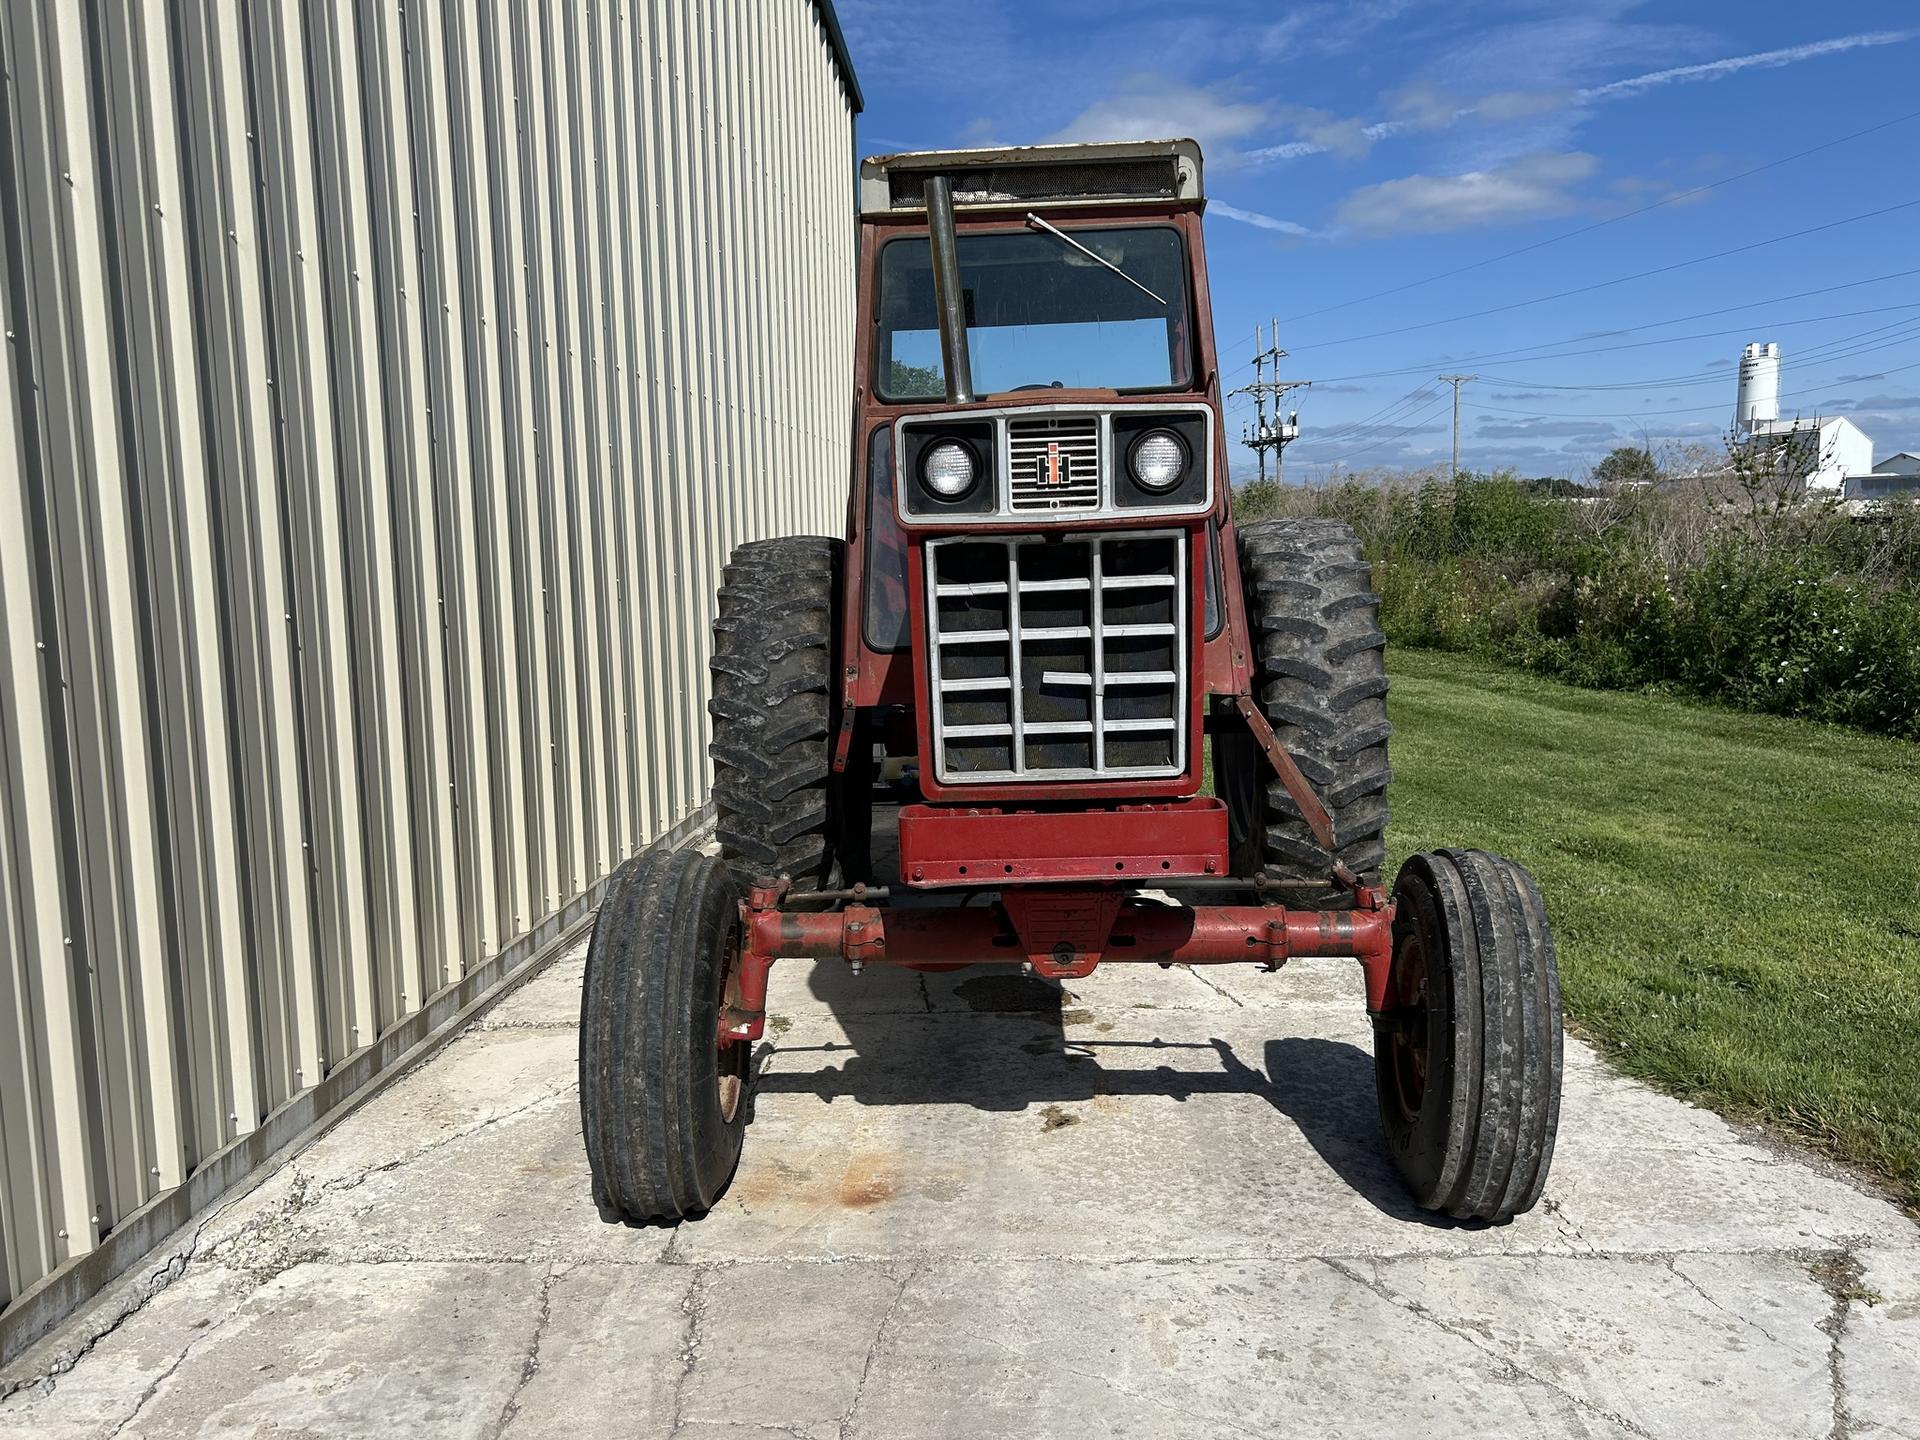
1758, 398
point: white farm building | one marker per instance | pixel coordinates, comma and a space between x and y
1838, 453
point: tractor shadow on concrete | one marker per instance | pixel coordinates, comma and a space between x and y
1019, 1055
1023, 1056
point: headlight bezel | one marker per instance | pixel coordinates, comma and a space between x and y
1182, 458
964, 450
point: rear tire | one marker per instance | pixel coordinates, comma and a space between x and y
1467, 1054
772, 676
663, 1106
1322, 684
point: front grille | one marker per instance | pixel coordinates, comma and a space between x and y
1055, 463
1058, 659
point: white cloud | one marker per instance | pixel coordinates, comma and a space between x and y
1146, 107
1423, 204
1544, 429
1510, 124
1255, 218
1328, 135
1327, 29
1764, 59
1291, 150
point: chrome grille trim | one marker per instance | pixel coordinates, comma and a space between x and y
1037, 511
996, 648
1054, 462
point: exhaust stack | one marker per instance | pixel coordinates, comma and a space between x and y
948, 298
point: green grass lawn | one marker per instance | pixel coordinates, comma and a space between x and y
1736, 898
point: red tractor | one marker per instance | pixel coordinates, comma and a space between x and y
1040, 622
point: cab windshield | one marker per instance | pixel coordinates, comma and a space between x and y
1040, 313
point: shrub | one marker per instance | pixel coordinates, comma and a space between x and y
1793, 609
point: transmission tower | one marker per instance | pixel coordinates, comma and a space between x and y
1263, 434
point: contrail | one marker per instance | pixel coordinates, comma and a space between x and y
1714, 69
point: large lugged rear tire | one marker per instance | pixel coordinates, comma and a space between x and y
1467, 1054
772, 677
1322, 678
662, 1103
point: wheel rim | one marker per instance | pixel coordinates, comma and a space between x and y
1407, 1041
730, 1071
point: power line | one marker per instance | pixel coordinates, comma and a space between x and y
1637, 414
1617, 280
1828, 355
1611, 220
1718, 377
1412, 425
1529, 353
1413, 399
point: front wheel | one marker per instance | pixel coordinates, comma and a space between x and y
662, 1101
1467, 1053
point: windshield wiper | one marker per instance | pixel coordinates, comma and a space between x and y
1055, 231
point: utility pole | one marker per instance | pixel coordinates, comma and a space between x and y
1263, 436
1456, 381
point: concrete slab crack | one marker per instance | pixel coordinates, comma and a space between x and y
1508, 1365
1673, 1269
133, 1300
1230, 998
530, 1366
695, 1305
879, 1334
413, 1156
154, 1387
1839, 1274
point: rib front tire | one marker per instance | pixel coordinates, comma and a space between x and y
662, 1104
1468, 1051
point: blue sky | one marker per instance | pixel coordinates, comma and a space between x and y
1371, 146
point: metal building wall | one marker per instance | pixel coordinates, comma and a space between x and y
385, 385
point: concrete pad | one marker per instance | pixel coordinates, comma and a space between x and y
105, 1369
611, 1344
1668, 1345
1206, 1350
345, 1350
517, 1190
551, 998
785, 1346
1185, 1135
1145, 1203
481, 1079
1875, 1327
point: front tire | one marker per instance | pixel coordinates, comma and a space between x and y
662, 1104
1467, 1053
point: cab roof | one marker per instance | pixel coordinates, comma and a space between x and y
1111, 173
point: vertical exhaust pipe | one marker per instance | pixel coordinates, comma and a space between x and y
948, 298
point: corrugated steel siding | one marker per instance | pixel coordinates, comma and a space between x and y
385, 387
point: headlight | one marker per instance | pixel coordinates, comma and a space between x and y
1158, 460
948, 469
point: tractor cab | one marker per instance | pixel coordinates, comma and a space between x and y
1039, 494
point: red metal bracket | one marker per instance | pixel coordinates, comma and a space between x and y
1311, 810
1064, 932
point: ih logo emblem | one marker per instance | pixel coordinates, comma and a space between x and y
1054, 467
